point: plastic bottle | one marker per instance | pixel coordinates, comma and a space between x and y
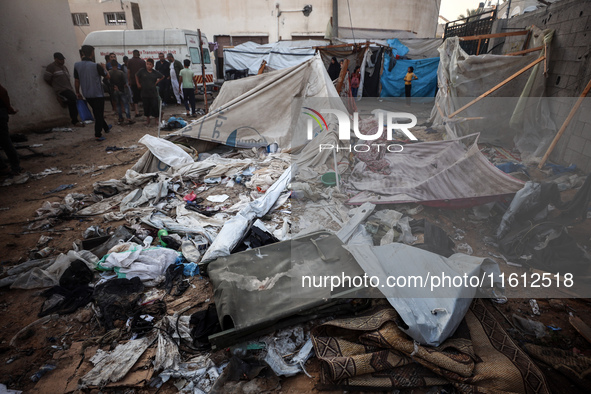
42, 371
162, 233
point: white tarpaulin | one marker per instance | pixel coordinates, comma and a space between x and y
278, 55
267, 108
431, 308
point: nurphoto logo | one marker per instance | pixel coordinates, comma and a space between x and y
344, 123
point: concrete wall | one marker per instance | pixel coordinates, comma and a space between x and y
253, 17
33, 30
569, 71
96, 18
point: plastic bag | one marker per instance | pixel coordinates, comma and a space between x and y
83, 110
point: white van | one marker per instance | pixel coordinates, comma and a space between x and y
183, 44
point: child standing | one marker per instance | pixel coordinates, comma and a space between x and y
187, 83
410, 75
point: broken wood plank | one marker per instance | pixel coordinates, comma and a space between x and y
495, 35
523, 52
565, 123
581, 327
512, 77
342, 75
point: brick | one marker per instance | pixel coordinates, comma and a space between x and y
587, 149
576, 143
564, 40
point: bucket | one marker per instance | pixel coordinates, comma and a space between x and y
329, 179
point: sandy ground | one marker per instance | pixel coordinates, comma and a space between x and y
72, 152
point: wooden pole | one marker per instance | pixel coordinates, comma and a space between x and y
495, 35
203, 71
478, 49
565, 124
525, 51
518, 73
342, 75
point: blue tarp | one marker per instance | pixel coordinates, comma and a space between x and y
398, 48
424, 69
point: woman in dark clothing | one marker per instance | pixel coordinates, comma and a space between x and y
334, 70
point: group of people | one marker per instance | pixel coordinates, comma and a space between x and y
127, 84
334, 71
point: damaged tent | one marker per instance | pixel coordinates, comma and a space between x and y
442, 173
265, 109
512, 111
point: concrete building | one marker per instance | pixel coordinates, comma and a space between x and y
33, 31
275, 20
569, 71
93, 15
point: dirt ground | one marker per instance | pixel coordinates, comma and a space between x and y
75, 153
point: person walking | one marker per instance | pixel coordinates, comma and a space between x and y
87, 77
187, 82
410, 75
57, 76
146, 81
5, 141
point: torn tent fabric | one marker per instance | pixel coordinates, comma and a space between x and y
266, 108
443, 173
257, 288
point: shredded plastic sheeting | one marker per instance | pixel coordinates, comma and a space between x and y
166, 151
235, 228
48, 277
443, 171
113, 366
432, 315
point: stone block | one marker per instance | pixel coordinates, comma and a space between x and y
582, 38
576, 143
587, 149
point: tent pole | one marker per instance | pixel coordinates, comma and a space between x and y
336, 170
483, 95
159, 114
203, 71
565, 124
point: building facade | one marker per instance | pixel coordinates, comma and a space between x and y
92, 15
36, 29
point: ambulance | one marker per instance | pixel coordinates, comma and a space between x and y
183, 44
